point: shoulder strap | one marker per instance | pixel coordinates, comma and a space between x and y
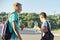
48, 27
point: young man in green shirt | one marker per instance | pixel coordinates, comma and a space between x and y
14, 23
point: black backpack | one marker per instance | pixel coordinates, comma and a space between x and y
6, 34
48, 35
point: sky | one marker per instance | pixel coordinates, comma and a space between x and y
48, 6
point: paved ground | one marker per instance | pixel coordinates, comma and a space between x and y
34, 36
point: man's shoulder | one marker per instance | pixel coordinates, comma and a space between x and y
14, 13
45, 23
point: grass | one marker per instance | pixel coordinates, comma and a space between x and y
57, 30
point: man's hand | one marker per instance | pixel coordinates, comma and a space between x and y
36, 28
22, 27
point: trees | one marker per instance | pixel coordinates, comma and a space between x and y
54, 20
29, 18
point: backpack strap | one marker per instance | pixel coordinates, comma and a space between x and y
48, 27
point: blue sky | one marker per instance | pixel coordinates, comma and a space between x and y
48, 6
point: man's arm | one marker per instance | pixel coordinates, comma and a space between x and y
15, 29
42, 29
37, 28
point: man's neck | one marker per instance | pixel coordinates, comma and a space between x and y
44, 20
17, 12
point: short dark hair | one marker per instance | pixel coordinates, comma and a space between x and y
17, 4
44, 14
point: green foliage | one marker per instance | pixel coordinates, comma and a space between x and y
29, 18
55, 21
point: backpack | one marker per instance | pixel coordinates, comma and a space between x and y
6, 34
48, 35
